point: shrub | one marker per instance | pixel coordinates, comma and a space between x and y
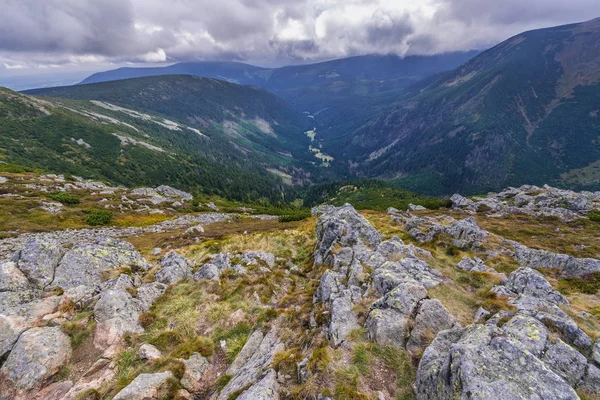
295, 216
594, 216
99, 217
64, 198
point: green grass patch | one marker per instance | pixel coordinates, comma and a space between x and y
65, 198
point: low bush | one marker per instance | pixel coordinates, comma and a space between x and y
594, 216
99, 217
65, 198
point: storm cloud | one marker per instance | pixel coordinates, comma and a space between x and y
42, 33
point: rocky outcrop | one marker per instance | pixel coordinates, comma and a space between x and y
569, 266
532, 200
510, 359
432, 317
195, 368
38, 261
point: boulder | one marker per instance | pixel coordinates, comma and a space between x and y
466, 233
195, 368
83, 264
207, 271
432, 317
116, 312
569, 266
11, 278
175, 267
529, 282
388, 327
567, 362
149, 292
404, 298
342, 318
393, 273
251, 346
147, 387
329, 286
172, 192
149, 352
529, 332
473, 265
478, 362
9, 334
38, 260
38, 355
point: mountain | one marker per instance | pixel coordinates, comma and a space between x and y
195, 133
363, 68
525, 111
234, 72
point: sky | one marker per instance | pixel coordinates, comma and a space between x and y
48, 41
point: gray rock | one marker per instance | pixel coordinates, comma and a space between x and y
393, 273
9, 334
146, 387
156, 251
414, 207
388, 327
404, 298
422, 229
567, 362
11, 278
208, 271
596, 352
345, 227
571, 333
175, 267
466, 233
172, 192
251, 346
149, 352
329, 286
149, 292
530, 282
54, 391
591, 381
529, 332
222, 261
266, 388
480, 314
321, 209
342, 318
38, 354
116, 313
569, 266
473, 265
461, 202
195, 368
38, 260
252, 369
432, 317
83, 264
476, 363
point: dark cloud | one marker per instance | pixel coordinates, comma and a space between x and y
74, 32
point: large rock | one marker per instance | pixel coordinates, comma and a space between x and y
252, 369
38, 355
11, 278
147, 387
466, 233
9, 334
265, 389
39, 259
116, 313
175, 267
84, 264
388, 327
207, 271
404, 298
342, 318
413, 270
329, 286
529, 282
479, 362
567, 362
195, 368
172, 192
432, 317
149, 292
529, 332
345, 227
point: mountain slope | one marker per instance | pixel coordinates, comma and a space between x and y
249, 118
524, 111
244, 74
103, 140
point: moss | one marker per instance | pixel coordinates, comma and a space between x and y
222, 381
